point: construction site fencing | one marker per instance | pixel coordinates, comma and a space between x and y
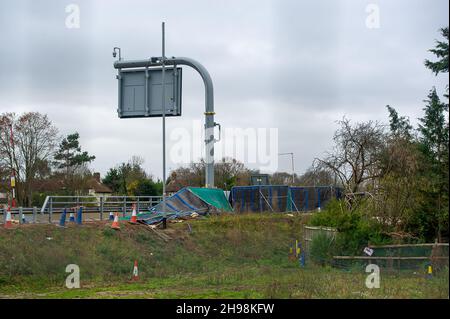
390, 258
281, 198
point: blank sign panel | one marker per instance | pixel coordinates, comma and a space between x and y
140, 93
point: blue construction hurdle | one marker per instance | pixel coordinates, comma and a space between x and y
80, 216
281, 198
62, 220
259, 198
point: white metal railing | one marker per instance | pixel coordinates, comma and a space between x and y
91, 205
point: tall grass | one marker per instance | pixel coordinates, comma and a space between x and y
227, 256
43, 251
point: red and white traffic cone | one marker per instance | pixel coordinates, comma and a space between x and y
115, 224
8, 223
133, 219
135, 276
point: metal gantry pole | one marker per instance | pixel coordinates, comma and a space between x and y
163, 83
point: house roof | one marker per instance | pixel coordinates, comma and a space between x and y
98, 187
56, 184
48, 185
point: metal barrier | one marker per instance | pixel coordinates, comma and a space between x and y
92, 205
21, 212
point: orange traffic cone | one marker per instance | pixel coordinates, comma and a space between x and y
135, 276
115, 224
133, 219
8, 223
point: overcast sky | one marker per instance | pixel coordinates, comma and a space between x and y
293, 65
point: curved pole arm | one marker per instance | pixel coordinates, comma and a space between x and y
209, 102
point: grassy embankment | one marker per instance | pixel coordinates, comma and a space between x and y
226, 256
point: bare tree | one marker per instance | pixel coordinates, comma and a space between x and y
29, 148
397, 193
356, 155
228, 172
281, 178
316, 177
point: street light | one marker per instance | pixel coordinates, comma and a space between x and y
292, 162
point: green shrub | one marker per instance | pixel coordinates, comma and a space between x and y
355, 227
332, 216
322, 249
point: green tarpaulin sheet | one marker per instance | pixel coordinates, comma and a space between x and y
185, 202
213, 196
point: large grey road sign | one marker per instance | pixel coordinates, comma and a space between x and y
140, 92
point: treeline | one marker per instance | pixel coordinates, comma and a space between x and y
130, 178
41, 160
229, 172
396, 176
44, 163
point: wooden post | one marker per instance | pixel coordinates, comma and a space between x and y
50, 210
101, 208
20, 215
390, 264
34, 214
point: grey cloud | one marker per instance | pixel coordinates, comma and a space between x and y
294, 65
